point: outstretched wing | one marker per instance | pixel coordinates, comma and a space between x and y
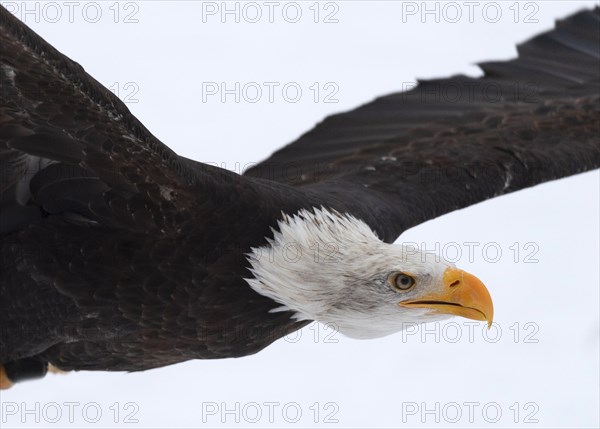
409, 157
70, 146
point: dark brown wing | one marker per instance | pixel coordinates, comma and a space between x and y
450, 143
69, 145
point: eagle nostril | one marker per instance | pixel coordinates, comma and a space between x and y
455, 283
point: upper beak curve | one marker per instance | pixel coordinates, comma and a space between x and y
463, 294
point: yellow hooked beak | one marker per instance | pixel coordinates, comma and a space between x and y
462, 294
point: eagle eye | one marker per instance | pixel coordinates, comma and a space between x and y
402, 282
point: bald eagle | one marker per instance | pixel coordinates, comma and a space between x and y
119, 255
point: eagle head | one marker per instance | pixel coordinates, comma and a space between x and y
332, 268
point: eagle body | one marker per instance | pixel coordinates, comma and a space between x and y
136, 300
118, 254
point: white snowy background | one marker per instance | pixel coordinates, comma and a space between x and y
538, 367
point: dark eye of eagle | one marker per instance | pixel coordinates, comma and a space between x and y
402, 282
